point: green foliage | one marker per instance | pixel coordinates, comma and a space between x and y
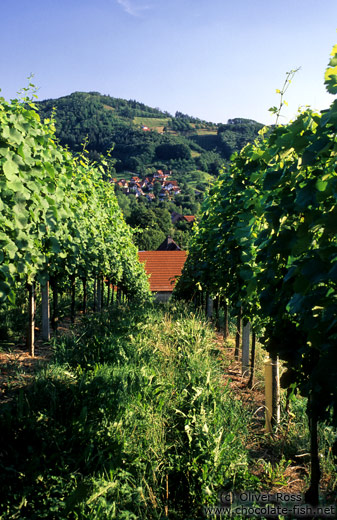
173, 151
236, 134
152, 225
58, 216
331, 73
105, 121
266, 240
133, 404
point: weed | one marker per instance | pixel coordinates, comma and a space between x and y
129, 420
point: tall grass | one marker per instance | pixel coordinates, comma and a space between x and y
130, 420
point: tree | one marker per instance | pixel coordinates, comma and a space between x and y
157, 188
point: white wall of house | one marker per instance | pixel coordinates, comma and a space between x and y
162, 296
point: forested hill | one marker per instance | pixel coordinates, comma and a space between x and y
142, 136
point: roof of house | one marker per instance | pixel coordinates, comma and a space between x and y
173, 183
163, 268
189, 218
168, 245
175, 217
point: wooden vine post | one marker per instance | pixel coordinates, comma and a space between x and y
312, 494
45, 311
209, 307
31, 319
99, 294
109, 292
216, 311
54, 317
84, 302
252, 361
238, 334
272, 393
245, 348
72, 291
95, 295
102, 292
225, 319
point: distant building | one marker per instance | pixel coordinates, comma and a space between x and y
189, 218
136, 185
169, 245
177, 217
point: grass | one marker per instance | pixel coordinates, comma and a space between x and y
131, 419
282, 460
206, 131
198, 176
154, 123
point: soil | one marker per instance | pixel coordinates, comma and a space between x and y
288, 477
17, 366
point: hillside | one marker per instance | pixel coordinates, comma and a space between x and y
140, 141
144, 137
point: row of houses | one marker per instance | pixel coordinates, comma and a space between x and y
145, 187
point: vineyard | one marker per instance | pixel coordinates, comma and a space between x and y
132, 416
266, 244
58, 220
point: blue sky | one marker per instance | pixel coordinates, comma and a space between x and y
213, 59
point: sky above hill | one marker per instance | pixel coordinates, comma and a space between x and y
213, 59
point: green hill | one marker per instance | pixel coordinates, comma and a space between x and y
143, 137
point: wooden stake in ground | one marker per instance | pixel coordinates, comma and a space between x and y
108, 296
31, 319
209, 307
225, 327
95, 295
312, 495
216, 312
72, 291
99, 294
102, 293
84, 302
272, 393
45, 311
245, 348
238, 334
54, 318
252, 361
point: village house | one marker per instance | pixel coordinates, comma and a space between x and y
169, 185
163, 269
143, 187
134, 180
189, 218
177, 217
124, 185
168, 245
150, 197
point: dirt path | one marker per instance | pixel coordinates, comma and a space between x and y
276, 473
17, 366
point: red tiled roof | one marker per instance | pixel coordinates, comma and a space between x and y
174, 183
163, 268
189, 218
